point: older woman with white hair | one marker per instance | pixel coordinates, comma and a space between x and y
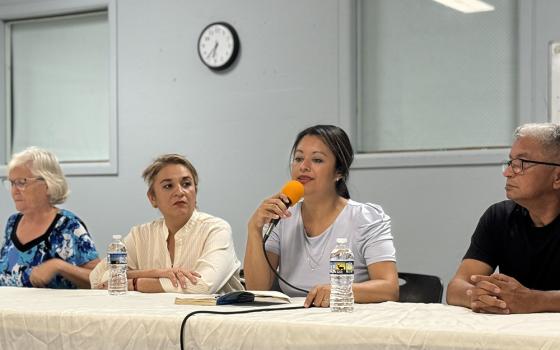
44, 246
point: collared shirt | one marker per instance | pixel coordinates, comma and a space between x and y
204, 244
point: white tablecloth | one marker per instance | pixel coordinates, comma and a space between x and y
385, 326
91, 319
33, 318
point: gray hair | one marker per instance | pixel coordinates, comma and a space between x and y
547, 134
44, 164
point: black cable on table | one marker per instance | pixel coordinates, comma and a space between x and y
230, 313
247, 311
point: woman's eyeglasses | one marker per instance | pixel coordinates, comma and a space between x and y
20, 184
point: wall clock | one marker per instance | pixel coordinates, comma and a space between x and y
218, 46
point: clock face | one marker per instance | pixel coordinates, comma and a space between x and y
218, 45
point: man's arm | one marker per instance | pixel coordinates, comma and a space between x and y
476, 294
520, 299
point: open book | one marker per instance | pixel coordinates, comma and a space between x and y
237, 297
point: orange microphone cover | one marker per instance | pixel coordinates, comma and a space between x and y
293, 190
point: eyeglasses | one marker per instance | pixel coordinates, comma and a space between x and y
519, 165
20, 184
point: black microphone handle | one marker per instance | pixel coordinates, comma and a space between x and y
269, 229
273, 223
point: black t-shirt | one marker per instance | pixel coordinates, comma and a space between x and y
507, 238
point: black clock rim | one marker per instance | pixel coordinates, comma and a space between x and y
234, 53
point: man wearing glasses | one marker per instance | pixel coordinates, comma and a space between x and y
520, 236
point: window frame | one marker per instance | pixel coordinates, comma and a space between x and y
350, 92
26, 11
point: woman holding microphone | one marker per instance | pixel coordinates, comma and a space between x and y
300, 245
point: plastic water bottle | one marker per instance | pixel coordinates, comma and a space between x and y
117, 262
342, 277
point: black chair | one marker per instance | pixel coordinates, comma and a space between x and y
242, 277
418, 288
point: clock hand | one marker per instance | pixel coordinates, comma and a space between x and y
213, 51
215, 48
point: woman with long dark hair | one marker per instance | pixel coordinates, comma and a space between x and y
300, 245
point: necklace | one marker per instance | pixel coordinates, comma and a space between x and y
314, 264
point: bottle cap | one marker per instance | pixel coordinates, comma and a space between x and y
341, 240
117, 236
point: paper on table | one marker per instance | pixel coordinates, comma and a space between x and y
197, 299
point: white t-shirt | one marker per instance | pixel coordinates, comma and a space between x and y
304, 261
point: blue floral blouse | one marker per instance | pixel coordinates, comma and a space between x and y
66, 238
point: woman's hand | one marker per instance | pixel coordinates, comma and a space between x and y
270, 209
178, 275
319, 296
103, 285
42, 274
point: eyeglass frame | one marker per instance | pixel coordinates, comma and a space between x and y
509, 163
23, 182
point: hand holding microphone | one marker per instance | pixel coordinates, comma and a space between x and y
270, 211
274, 208
291, 194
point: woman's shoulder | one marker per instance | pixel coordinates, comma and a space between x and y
147, 228
10, 225
202, 218
369, 220
13, 218
67, 220
366, 212
67, 213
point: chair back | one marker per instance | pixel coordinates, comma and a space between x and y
419, 288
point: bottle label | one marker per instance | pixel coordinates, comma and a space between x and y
116, 258
342, 267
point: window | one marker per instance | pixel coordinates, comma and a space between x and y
432, 78
60, 86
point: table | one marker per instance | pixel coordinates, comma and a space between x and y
36, 319
385, 326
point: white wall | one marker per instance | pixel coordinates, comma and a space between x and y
238, 127
434, 210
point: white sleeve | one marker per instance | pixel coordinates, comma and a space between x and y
375, 238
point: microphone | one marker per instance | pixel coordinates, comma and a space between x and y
294, 191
